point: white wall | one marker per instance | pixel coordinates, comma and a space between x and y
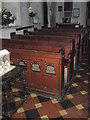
49, 13
83, 7
5, 32
20, 11
14, 8
81, 19
38, 9
24, 13
59, 15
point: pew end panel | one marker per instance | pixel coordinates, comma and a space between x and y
44, 46
44, 70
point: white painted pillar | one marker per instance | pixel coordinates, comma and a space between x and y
49, 13
52, 17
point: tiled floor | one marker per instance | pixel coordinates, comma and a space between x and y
75, 104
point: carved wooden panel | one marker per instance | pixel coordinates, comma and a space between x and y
50, 69
35, 66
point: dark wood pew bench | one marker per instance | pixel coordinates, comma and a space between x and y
47, 46
44, 69
79, 38
55, 39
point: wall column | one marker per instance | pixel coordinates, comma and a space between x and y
25, 20
52, 17
49, 13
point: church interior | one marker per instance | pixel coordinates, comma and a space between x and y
44, 60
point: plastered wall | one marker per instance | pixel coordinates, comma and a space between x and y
81, 19
20, 11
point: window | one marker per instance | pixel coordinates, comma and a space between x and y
68, 7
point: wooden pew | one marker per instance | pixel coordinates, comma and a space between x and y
82, 31
67, 34
52, 45
74, 35
69, 46
42, 38
59, 39
73, 31
44, 68
45, 53
80, 41
63, 29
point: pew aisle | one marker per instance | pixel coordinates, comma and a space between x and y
75, 104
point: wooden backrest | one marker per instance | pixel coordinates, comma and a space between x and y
42, 37
64, 29
44, 46
68, 34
